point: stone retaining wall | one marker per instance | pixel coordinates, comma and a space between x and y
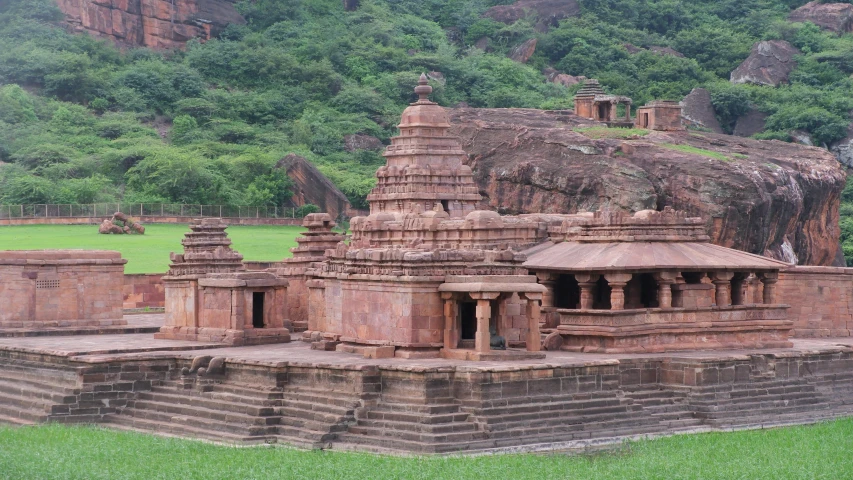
821, 300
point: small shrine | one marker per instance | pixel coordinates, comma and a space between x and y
653, 282
664, 115
592, 102
211, 297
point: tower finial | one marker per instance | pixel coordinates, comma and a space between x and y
423, 89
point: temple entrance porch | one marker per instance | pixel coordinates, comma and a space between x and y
501, 312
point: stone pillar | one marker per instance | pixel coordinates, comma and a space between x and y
617, 282
547, 280
769, 280
586, 282
482, 339
722, 282
534, 340
665, 281
627, 111
451, 333
755, 289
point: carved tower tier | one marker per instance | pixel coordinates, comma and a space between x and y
424, 165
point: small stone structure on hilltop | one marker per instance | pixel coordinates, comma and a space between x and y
211, 297
61, 288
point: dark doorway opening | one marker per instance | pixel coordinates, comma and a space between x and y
567, 293
603, 112
645, 121
468, 320
445, 205
648, 291
258, 309
601, 297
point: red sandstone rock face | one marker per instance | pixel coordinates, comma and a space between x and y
158, 24
769, 63
782, 200
837, 17
547, 12
554, 76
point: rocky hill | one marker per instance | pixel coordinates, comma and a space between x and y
765, 197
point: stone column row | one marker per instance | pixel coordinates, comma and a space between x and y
722, 282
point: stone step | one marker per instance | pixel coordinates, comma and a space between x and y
24, 415
137, 424
203, 401
418, 400
545, 399
241, 429
223, 396
314, 426
418, 409
757, 404
578, 417
768, 412
13, 421
414, 436
613, 404
436, 428
319, 407
38, 373
244, 392
196, 411
342, 400
592, 424
379, 413
362, 443
41, 392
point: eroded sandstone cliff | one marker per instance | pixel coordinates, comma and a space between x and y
766, 197
158, 24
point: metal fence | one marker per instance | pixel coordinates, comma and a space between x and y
143, 210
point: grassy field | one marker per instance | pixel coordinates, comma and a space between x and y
57, 452
148, 253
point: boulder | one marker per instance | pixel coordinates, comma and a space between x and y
764, 197
546, 12
310, 186
769, 63
555, 76
697, 110
837, 17
523, 52
750, 124
156, 24
362, 142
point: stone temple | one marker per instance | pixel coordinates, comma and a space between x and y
437, 327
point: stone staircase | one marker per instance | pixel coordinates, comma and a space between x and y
241, 414
31, 394
667, 406
399, 423
761, 403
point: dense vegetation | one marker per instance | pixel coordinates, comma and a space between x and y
819, 451
81, 121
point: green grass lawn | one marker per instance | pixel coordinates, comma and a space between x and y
148, 253
824, 450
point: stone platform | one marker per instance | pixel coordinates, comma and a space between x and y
135, 323
289, 393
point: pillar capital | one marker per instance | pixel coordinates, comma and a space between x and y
536, 296
769, 277
587, 277
722, 276
617, 278
666, 277
544, 277
484, 295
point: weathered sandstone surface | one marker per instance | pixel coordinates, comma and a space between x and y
769, 63
158, 24
697, 110
837, 17
765, 197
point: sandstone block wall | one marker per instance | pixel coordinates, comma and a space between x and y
821, 300
144, 290
60, 288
